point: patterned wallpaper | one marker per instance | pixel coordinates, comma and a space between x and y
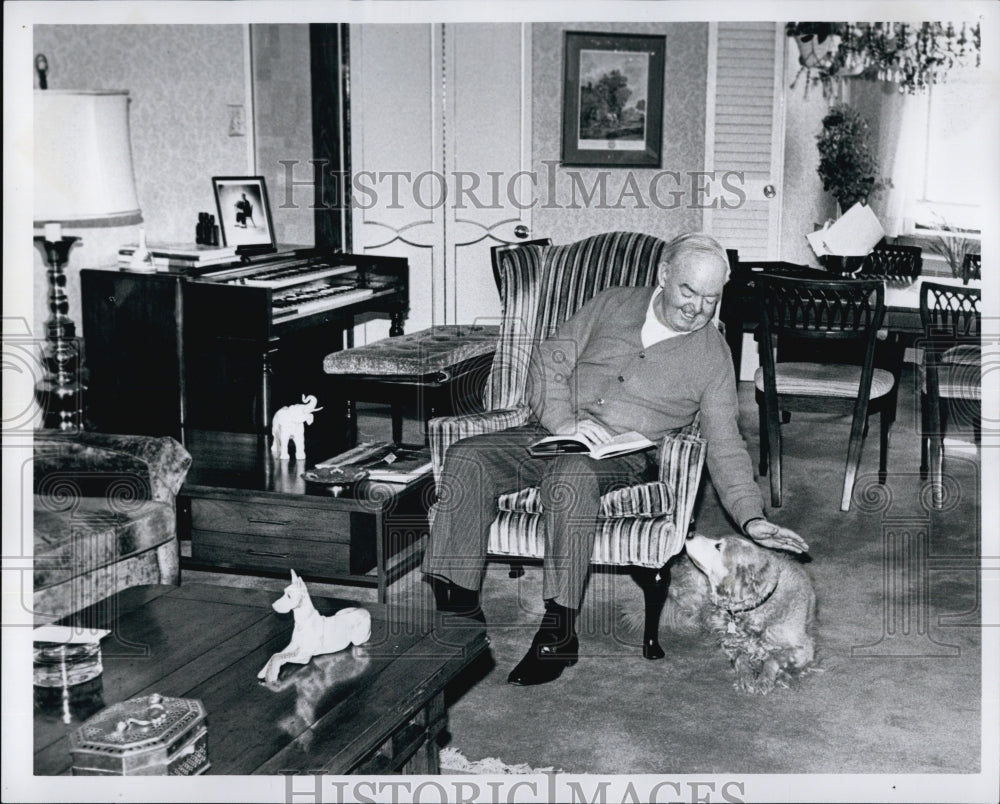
805, 204
283, 126
181, 80
683, 133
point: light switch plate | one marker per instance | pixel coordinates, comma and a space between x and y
237, 121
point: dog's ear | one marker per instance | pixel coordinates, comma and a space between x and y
751, 579
295, 578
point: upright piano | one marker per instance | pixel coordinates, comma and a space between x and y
221, 348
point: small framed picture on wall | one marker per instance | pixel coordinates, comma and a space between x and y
244, 213
613, 99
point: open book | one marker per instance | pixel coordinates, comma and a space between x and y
565, 444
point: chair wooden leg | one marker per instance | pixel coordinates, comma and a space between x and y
936, 426
774, 456
937, 459
654, 584
853, 459
883, 444
924, 431
762, 433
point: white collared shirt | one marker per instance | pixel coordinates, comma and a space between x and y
653, 330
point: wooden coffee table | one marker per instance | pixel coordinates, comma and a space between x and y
377, 711
243, 510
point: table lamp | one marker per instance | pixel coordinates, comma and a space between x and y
83, 177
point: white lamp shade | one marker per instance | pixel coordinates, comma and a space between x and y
83, 157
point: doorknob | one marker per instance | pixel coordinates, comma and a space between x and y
521, 231
769, 191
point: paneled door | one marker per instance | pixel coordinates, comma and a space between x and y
440, 135
744, 137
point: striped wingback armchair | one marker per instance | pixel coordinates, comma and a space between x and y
642, 526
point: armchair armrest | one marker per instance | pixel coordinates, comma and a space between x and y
163, 461
682, 458
446, 430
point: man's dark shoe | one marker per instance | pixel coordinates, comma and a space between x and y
450, 598
545, 660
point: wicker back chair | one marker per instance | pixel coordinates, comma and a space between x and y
893, 262
951, 371
846, 314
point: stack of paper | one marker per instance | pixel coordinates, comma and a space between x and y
68, 635
180, 255
854, 234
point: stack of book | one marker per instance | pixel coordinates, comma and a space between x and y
179, 255
384, 461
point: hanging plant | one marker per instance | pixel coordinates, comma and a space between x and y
847, 164
819, 46
913, 56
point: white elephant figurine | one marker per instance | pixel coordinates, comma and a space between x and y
288, 424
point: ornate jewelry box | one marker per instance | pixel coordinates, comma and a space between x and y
148, 736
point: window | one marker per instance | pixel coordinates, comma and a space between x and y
956, 132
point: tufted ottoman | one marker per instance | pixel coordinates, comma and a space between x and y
104, 516
445, 365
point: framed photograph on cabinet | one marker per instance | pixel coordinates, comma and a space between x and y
613, 99
244, 213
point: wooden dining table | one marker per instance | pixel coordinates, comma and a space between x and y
740, 312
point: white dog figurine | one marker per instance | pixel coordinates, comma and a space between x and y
314, 634
288, 424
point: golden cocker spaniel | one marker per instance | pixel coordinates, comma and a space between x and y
758, 602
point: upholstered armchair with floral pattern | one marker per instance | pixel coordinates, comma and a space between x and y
643, 526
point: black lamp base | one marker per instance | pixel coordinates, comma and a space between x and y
62, 405
60, 393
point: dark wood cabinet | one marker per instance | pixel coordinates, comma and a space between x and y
134, 352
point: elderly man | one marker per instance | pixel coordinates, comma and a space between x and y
632, 358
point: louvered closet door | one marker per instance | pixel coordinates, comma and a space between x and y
745, 135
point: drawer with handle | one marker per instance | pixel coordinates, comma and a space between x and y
242, 517
272, 553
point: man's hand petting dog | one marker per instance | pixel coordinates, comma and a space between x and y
767, 534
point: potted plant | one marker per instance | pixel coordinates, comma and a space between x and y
848, 166
847, 163
954, 247
818, 42
820, 52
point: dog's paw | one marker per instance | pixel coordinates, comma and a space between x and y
753, 679
752, 684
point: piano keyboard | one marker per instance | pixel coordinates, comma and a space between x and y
283, 275
283, 278
305, 301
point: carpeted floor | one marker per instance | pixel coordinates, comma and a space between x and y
898, 637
